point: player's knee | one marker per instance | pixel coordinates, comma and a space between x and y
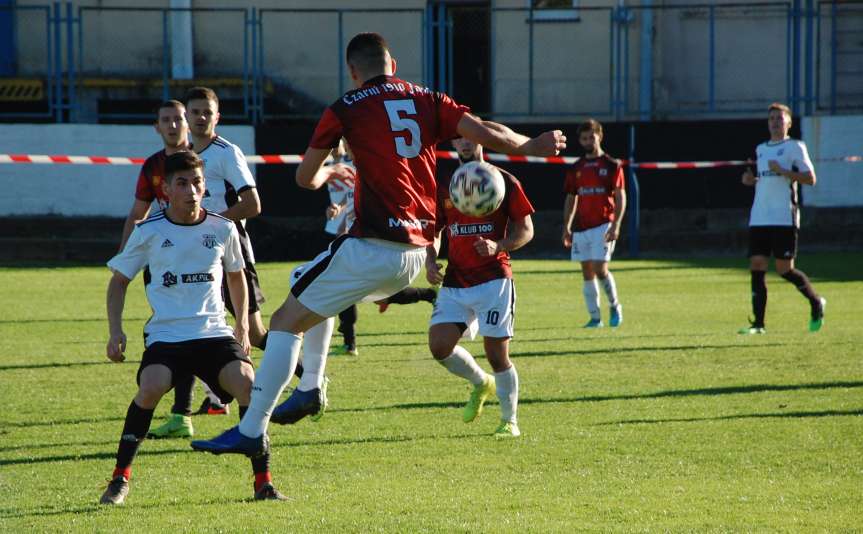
440, 348
150, 392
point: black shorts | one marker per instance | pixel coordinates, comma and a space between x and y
203, 358
777, 241
256, 296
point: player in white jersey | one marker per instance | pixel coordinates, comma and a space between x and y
231, 192
185, 253
783, 163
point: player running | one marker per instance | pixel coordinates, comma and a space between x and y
592, 214
392, 127
775, 217
185, 252
172, 127
478, 292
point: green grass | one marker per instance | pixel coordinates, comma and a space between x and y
670, 423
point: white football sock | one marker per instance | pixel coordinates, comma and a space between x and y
271, 377
507, 392
591, 298
209, 392
461, 363
610, 289
316, 345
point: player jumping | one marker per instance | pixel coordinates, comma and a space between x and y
393, 127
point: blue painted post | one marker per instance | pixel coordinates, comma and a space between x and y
645, 87
833, 46
58, 66
809, 61
711, 89
246, 64
625, 21
633, 201
49, 56
795, 61
450, 84
339, 55
492, 58
255, 51
260, 67
70, 55
788, 60
440, 84
611, 65
166, 56
530, 60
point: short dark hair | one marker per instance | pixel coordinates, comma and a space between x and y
185, 160
201, 93
170, 104
590, 125
778, 106
367, 51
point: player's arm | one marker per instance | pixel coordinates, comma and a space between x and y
240, 297
502, 139
569, 205
248, 205
433, 268
805, 178
116, 300
310, 172
619, 209
519, 232
140, 210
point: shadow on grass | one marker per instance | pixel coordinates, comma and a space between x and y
707, 392
48, 365
108, 455
780, 415
10, 513
65, 320
619, 350
34, 446
56, 422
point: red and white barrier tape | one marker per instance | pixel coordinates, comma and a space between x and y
291, 159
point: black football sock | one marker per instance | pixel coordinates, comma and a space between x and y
347, 320
410, 295
134, 431
801, 282
759, 297
260, 464
183, 395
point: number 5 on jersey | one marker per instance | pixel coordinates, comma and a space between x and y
400, 123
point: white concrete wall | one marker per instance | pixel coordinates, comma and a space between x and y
84, 190
839, 183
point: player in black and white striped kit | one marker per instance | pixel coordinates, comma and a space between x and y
783, 163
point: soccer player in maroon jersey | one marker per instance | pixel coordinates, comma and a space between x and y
393, 127
478, 292
596, 197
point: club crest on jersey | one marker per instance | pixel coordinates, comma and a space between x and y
781, 151
603, 172
209, 240
169, 279
456, 229
447, 204
167, 243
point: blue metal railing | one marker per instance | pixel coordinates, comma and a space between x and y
812, 58
49, 77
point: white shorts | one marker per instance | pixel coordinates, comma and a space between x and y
354, 269
488, 308
590, 245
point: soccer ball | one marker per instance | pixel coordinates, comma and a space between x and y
477, 189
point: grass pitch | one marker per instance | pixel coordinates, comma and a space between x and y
671, 423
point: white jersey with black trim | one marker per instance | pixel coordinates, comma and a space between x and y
342, 193
776, 197
183, 269
227, 174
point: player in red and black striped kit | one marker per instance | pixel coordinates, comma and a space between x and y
478, 293
393, 127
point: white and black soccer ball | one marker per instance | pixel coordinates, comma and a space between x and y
477, 189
